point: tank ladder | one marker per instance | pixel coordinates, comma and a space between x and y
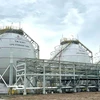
35, 45
61, 51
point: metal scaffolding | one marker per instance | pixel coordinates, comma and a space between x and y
50, 76
43, 76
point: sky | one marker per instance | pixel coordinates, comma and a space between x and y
46, 21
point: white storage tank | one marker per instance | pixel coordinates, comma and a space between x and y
71, 50
15, 45
97, 57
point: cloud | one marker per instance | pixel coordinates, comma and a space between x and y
13, 10
47, 13
46, 20
89, 32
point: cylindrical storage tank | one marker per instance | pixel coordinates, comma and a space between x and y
72, 50
13, 46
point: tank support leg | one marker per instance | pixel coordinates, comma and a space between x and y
11, 75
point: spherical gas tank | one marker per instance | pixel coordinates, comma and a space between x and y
14, 46
72, 51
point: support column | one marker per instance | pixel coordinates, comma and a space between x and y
11, 69
44, 79
11, 74
25, 80
87, 89
86, 70
98, 85
98, 88
74, 79
60, 77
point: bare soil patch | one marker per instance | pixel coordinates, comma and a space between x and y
67, 96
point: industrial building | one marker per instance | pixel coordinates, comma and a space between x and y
70, 68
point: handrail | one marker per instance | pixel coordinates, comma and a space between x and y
61, 50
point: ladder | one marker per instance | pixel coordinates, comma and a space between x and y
61, 50
35, 45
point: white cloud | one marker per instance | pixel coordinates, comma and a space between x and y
46, 20
45, 38
73, 17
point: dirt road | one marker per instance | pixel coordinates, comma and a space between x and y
67, 96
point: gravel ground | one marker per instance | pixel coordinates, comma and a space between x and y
67, 96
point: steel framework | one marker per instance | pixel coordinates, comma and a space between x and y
44, 76
54, 76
